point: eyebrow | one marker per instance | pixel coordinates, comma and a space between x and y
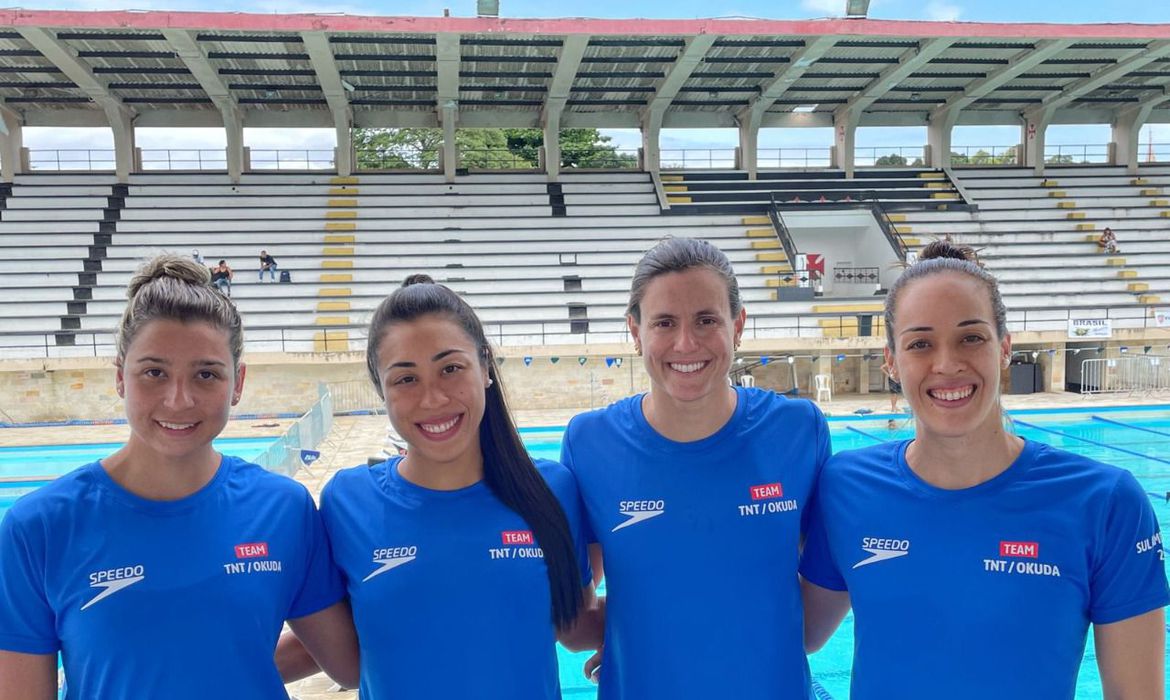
960, 324
700, 312
438, 356
164, 361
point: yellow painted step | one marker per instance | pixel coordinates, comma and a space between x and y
1115, 262
1127, 274
765, 244
931, 176
672, 178
1166, 214
336, 277
333, 306
1160, 202
944, 195
337, 252
335, 291
1138, 286
762, 220
897, 218
1049, 183
1149, 299
1087, 227
342, 191
776, 269
1066, 205
337, 264
350, 180
341, 226
674, 188
903, 229
761, 233
677, 199
1139, 181
341, 215
1057, 193
1151, 192
911, 241
772, 257
331, 341
339, 238
777, 282
938, 185
332, 320
847, 308
1075, 215
341, 203
1091, 238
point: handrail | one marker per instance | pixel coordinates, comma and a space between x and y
782, 232
888, 229
660, 191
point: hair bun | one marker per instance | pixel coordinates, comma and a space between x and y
417, 278
168, 266
947, 249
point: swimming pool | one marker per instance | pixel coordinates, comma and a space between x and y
1137, 439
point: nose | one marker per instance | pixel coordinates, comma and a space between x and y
433, 395
685, 340
180, 395
948, 361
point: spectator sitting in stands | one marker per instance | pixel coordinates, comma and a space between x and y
267, 264
221, 278
197, 256
1108, 242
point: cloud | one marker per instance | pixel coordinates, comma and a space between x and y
942, 11
825, 8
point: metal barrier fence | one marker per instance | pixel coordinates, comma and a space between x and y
284, 457
1125, 374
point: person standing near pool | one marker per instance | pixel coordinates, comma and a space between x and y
976, 560
696, 494
167, 570
463, 559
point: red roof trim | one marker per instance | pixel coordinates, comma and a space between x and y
225, 21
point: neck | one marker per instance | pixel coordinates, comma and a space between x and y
688, 421
965, 461
156, 478
450, 476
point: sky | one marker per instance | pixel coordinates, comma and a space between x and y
1062, 11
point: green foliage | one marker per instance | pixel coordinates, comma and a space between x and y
893, 159
483, 149
982, 157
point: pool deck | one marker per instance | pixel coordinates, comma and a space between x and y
354, 438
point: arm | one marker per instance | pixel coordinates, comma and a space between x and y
325, 640
28, 676
588, 630
824, 609
1131, 657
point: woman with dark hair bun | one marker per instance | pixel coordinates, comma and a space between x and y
976, 560
167, 570
696, 495
463, 559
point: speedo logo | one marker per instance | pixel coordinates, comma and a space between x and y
882, 549
113, 580
639, 512
388, 558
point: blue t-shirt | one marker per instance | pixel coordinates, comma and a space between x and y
958, 593
449, 589
701, 543
163, 599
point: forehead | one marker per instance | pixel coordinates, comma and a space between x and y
943, 299
698, 288
424, 336
171, 338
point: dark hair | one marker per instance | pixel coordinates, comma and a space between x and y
507, 468
944, 256
680, 255
223, 262
177, 288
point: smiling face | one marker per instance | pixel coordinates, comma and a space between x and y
179, 384
434, 384
947, 355
687, 334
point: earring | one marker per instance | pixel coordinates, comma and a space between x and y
638, 349
490, 382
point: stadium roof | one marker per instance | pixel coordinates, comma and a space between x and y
61, 68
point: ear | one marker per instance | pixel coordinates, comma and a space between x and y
1005, 347
888, 356
635, 332
119, 380
238, 390
740, 321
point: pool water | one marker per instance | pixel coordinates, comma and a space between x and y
1137, 439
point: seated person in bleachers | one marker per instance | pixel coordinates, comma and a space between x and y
221, 278
1108, 242
267, 264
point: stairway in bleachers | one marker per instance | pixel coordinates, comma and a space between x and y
708, 192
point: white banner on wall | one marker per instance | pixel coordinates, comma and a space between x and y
1090, 328
1162, 318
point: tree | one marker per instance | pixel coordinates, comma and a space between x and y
893, 159
484, 148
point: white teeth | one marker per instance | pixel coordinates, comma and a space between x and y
439, 427
175, 426
688, 368
953, 395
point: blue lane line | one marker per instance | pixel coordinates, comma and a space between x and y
820, 693
869, 435
1091, 442
1110, 421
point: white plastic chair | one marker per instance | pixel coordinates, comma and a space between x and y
824, 384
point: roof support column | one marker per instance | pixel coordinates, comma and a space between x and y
447, 60
552, 138
334, 89
448, 115
651, 154
233, 126
11, 144
1126, 128
569, 60
845, 140
749, 138
690, 57
1034, 126
938, 135
122, 125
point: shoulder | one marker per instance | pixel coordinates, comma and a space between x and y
1081, 475
764, 405
59, 500
866, 460
558, 477
353, 479
259, 481
615, 414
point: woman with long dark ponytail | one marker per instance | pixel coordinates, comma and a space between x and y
464, 559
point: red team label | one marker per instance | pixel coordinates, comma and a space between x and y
252, 550
1027, 550
765, 491
517, 537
